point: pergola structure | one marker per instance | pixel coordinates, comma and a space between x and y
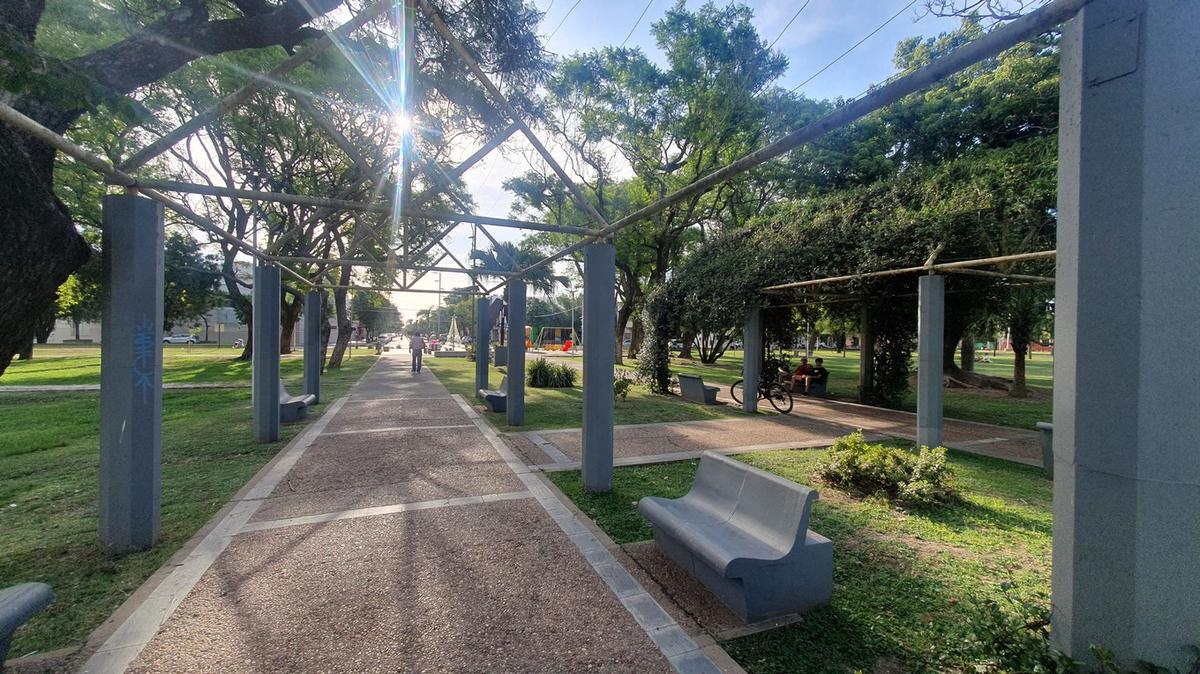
931, 314
1127, 480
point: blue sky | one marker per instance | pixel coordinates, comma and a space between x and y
824, 29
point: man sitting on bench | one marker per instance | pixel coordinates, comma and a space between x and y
814, 382
796, 377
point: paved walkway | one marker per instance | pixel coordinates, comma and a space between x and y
811, 423
398, 533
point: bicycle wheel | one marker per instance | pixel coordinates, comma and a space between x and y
780, 398
736, 391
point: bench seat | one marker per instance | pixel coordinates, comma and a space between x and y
744, 533
18, 604
293, 408
496, 399
691, 387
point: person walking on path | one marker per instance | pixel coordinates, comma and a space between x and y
417, 345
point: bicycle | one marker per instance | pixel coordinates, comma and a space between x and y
775, 393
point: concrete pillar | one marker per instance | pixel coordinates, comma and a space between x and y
483, 333
866, 355
515, 402
131, 373
931, 320
1126, 466
312, 343
599, 326
265, 366
752, 355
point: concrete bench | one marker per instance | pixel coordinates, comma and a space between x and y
293, 408
496, 399
744, 533
692, 388
1047, 430
18, 604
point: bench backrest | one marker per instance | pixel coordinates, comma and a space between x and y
770, 508
503, 384
283, 394
691, 385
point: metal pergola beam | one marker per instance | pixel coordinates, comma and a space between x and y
380, 264
993, 43
379, 289
237, 98
926, 268
440, 26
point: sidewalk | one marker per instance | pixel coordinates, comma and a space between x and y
398, 533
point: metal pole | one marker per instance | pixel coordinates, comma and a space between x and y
312, 343
483, 307
752, 355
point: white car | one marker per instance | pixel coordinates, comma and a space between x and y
179, 339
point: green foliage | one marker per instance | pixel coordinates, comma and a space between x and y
919, 479
375, 312
544, 374
621, 385
660, 321
190, 281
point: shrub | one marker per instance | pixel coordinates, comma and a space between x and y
914, 478
542, 374
621, 386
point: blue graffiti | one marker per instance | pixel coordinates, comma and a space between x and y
145, 358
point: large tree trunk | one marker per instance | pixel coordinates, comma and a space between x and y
689, 340
34, 228
968, 353
622, 321
26, 351
635, 341
1018, 389
290, 315
343, 323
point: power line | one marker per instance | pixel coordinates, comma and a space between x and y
564, 19
855, 45
639, 21
788, 24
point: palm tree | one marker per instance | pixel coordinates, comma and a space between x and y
507, 257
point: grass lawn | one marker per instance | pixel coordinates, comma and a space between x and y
989, 407
907, 584
54, 364
49, 457
563, 408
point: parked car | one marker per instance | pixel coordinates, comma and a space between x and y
179, 339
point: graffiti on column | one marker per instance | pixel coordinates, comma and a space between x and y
144, 358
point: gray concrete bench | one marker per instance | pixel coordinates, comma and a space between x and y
692, 388
1047, 430
743, 532
18, 604
496, 399
293, 408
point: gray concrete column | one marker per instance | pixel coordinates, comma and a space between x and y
265, 366
483, 335
515, 401
931, 321
866, 355
599, 328
312, 343
1126, 464
752, 355
131, 373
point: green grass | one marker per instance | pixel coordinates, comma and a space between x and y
906, 583
989, 407
48, 492
563, 408
57, 365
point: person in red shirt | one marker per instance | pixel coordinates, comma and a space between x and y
799, 375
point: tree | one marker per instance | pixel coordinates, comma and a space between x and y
190, 280
59, 67
508, 257
374, 312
